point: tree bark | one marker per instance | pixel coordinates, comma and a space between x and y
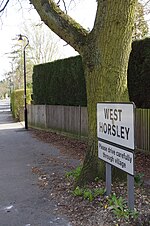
105, 66
105, 52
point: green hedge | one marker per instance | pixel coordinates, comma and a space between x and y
139, 73
17, 103
60, 82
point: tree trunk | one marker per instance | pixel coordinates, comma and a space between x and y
105, 52
105, 65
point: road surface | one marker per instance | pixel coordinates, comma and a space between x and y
22, 202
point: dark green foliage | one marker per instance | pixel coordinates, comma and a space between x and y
17, 103
74, 173
60, 82
139, 73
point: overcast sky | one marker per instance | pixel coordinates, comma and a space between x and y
13, 19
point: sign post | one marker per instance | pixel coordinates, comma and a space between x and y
115, 131
130, 182
108, 179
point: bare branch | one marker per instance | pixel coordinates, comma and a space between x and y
1, 3
65, 6
70, 3
1, 10
146, 3
60, 23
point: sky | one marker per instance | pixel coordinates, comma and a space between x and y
15, 16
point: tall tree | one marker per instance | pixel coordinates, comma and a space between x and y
140, 25
42, 48
4, 88
16, 61
104, 51
43, 45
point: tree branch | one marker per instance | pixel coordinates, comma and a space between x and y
146, 3
60, 23
1, 10
64, 6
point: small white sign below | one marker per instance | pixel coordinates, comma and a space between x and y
117, 157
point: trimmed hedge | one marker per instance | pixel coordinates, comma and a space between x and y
17, 103
139, 73
60, 82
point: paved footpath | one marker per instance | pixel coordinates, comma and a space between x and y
22, 202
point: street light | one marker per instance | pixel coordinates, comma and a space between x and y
25, 90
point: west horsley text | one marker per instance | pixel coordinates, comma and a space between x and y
111, 128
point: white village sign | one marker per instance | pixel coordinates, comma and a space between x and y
115, 123
116, 143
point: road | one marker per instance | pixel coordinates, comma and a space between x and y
22, 202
